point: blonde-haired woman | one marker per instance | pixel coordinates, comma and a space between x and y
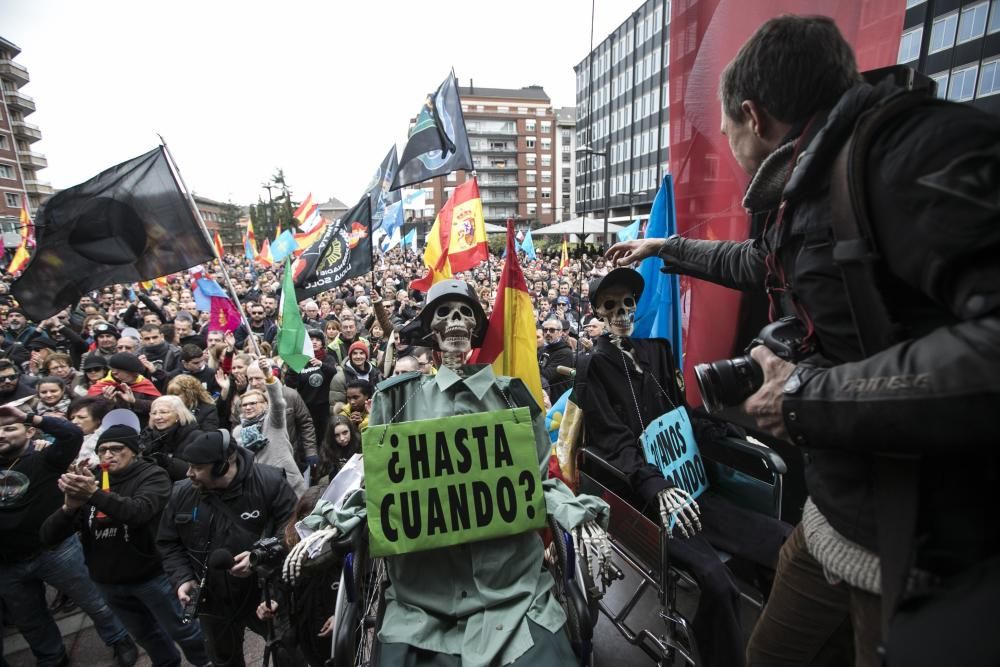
197, 399
262, 428
170, 425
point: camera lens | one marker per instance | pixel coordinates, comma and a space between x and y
728, 382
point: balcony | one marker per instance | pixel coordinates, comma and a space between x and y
494, 148
41, 188
487, 182
27, 131
11, 70
34, 160
486, 132
495, 167
18, 100
504, 198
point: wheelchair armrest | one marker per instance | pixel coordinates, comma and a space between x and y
591, 456
771, 459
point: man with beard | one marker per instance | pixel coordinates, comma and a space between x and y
556, 352
260, 325
28, 494
13, 384
106, 339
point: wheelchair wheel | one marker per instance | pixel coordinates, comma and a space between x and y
371, 576
566, 573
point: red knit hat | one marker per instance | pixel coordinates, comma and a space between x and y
359, 345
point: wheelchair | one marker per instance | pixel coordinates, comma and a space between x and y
742, 471
360, 604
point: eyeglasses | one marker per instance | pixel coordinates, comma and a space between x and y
550, 329
110, 449
8, 378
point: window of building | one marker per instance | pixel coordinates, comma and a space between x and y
972, 23
962, 86
480, 107
532, 193
546, 177
943, 33
941, 79
6, 171
546, 193
3, 142
532, 175
533, 208
909, 45
546, 207
522, 109
540, 111
465, 108
530, 158
529, 142
993, 25
547, 141
13, 200
452, 177
547, 124
989, 78
546, 160
448, 192
503, 109
529, 125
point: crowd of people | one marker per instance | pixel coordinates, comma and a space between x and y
209, 406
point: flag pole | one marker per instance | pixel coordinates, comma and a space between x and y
179, 180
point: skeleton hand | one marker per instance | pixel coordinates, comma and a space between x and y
300, 552
678, 508
595, 540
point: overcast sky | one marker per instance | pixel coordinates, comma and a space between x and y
238, 89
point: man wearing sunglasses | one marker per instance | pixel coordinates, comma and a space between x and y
13, 385
556, 352
29, 493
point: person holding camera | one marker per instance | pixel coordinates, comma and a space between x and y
117, 527
890, 265
208, 530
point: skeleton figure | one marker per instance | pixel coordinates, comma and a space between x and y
616, 306
453, 326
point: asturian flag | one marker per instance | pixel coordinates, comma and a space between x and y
389, 236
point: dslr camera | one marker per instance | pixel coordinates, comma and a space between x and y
731, 381
267, 555
190, 611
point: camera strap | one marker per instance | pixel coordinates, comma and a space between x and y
225, 510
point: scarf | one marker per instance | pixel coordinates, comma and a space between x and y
252, 433
61, 406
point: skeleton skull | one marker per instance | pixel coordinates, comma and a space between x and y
616, 306
453, 326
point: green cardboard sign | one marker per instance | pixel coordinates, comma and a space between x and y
439, 482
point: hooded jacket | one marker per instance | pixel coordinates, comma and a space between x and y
120, 548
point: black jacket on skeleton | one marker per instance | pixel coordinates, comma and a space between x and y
615, 413
931, 183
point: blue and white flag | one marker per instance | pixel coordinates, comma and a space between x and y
528, 246
389, 235
410, 240
629, 233
205, 289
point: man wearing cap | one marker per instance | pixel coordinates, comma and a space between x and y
125, 385
117, 527
106, 340
28, 481
226, 503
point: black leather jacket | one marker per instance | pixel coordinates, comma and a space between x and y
932, 189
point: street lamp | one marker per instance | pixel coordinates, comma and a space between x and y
587, 150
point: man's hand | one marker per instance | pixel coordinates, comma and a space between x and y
765, 405
242, 567
626, 253
185, 590
126, 394
223, 382
147, 364
10, 415
78, 486
267, 610
230, 339
265, 367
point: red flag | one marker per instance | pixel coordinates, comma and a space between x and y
708, 183
224, 315
510, 337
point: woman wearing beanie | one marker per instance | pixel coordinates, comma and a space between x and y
118, 526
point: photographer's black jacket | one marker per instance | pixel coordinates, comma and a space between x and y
191, 528
932, 191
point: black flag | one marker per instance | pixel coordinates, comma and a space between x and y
437, 144
344, 251
127, 224
378, 188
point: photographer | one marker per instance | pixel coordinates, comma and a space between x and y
888, 430
208, 529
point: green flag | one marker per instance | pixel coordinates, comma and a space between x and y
294, 344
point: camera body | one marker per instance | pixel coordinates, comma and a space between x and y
266, 555
731, 381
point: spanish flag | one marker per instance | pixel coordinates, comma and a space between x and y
21, 256
510, 343
219, 248
457, 240
305, 239
564, 257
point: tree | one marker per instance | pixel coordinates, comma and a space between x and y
229, 226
